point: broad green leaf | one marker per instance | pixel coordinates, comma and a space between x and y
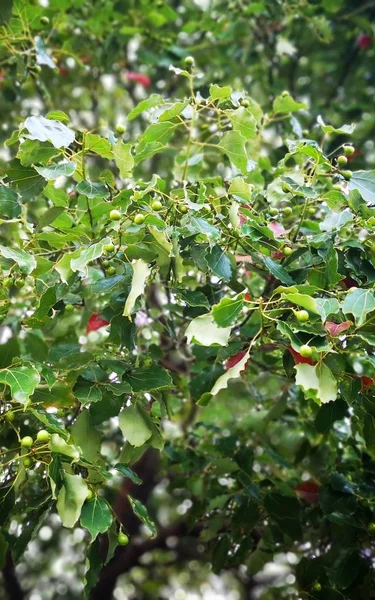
364, 182
22, 381
145, 379
359, 302
203, 330
153, 100
193, 297
244, 122
286, 104
220, 93
88, 255
59, 445
170, 111
47, 130
25, 261
92, 190
123, 158
26, 181
127, 472
95, 562
63, 266
54, 171
336, 220
9, 205
142, 513
98, 145
232, 373
85, 436
328, 129
227, 311
96, 516
141, 272
233, 145
154, 139
317, 382
240, 189
302, 300
58, 115
219, 263
71, 498
278, 271
135, 426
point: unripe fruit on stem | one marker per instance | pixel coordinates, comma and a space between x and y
44, 20
189, 61
27, 462
273, 211
7, 283
337, 186
122, 539
305, 351
302, 316
115, 215
311, 210
285, 93
89, 495
9, 416
120, 129
287, 211
347, 174
19, 283
371, 528
184, 209
348, 150
109, 247
27, 441
43, 436
287, 251
245, 103
69, 307
342, 160
317, 587
285, 188
111, 270
156, 205
139, 218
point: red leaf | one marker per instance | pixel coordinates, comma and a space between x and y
140, 78
308, 491
277, 254
335, 329
247, 297
95, 322
298, 359
276, 228
367, 382
348, 283
364, 41
233, 360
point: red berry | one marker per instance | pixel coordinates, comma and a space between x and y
95, 322
364, 41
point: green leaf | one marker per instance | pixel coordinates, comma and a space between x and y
127, 472
71, 498
22, 381
25, 261
279, 272
328, 129
244, 122
317, 382
193, 297
54, 171
220, 93
364, 182
47, 130
286, 104
88, 255
146, 379
328, 414
123, 158
233, 145
219, 263
9, 205
359, 302
141, 272
3, 549
154, 140
92, 190
25, 180
240, 189
98, 145
232, 373
96, 516
58, 115
134, 426
205, 331
142, 513
227, 311
335, 221
59, 445
32, 152
85, 436
151, 102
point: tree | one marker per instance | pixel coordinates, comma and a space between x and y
187, 362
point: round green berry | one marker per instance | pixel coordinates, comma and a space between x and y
27, 462
245, 103
287, 251
305, 351
115, 215
106, 263
317, 587
342, 160
347, 174
189, 61
156, 205
8, 283
285, 187
19, 283
69, 307
44, 20
122, 539
90, 495
27, 441
120, 129
371, 528
111, 270
287, 211
273, 211
139, 219
184, 209
285, 93
311, 210
337, 187
349, 150
109, 248
302, 316
43, 436
9, 416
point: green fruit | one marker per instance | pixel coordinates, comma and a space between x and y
44, 20
43, 436
311, 210
27, 462
122, 539
115, 215
317, 587
9, 416
184, 209
285, 93
106, 263
337, 187
371, 528
342, 160
285, 188
69, 307
139, 218
8, 283
156, 205
287, 251
347, 174
90, 495
348, 150
109, 248
111, 270
19, 283
287, 211
189, 61
302, 316
120, 129
305, 351
245, 103
273, 211
27, 441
